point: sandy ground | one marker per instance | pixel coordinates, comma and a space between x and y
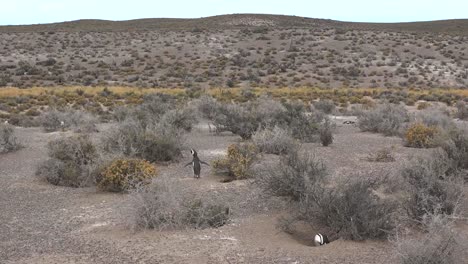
42, 223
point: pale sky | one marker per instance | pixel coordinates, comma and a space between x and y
16, 12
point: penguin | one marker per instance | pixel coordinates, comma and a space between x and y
320, 240
196, 164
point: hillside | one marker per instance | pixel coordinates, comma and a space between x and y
236, 50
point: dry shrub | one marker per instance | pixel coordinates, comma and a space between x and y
440, 243
166, 205
76, 120
274, 140
244, 119
304, 125
237, 119
382, 155
183, 119
326, 132
295, 174
124, 174
456, 148
238, 161
72, 162
8, 140
423, 105
434, 188
387, 119
326, 106
462, 110
435, 117
419, 135
201, 214
158, 142
351, 209
207, 106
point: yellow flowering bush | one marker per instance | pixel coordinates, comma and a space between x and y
238, 160
419, 135
124, 174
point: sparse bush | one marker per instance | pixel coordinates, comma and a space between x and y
155, 105
237, 119
71, 162
159, 142
304, 125
326, 133
269, 112
180, 119
440, 243
81, 122
8, 140
387, 119
54, 120
326, 106
423, 105
201, 214
351, 209
274, 140
294, 176
419, 135
382, 155
462, 110
456, 148
124, 174
164, 205
433, 187
238, 161
434, 117
207, 106
245, 119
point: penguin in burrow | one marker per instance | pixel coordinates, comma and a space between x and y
196, 164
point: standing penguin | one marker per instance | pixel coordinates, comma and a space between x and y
196, 164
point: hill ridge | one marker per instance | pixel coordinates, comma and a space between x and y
232, 21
